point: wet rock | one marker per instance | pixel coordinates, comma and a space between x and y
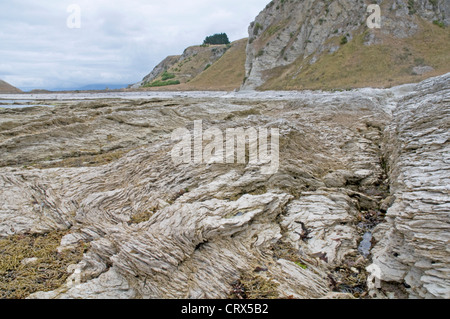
365, 245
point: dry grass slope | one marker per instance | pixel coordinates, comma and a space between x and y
8, 88
227, 73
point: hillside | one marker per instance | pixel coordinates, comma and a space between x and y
318, 44
8, 88
211, 67
226, 74
185, 67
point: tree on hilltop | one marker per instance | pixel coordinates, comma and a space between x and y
218, 38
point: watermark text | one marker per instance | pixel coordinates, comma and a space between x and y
74, 18
227, 148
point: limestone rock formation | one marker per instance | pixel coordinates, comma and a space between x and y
157, 229
413, 243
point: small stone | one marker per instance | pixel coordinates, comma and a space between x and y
334, 179
419, 70
29, 261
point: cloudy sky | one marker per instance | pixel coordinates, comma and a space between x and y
118, 42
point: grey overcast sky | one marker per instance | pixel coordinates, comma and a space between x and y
118, 42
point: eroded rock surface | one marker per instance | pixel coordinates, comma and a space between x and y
414, 241
160, 230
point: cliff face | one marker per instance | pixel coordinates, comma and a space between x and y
288, 32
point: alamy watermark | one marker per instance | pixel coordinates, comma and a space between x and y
75, 278
230, 147
74, 19
374, 20
374, 277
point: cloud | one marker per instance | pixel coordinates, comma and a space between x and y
119, 42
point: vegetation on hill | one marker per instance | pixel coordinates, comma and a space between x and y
166, 76
218, 38
159, 83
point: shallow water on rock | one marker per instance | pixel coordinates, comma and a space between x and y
366, 244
